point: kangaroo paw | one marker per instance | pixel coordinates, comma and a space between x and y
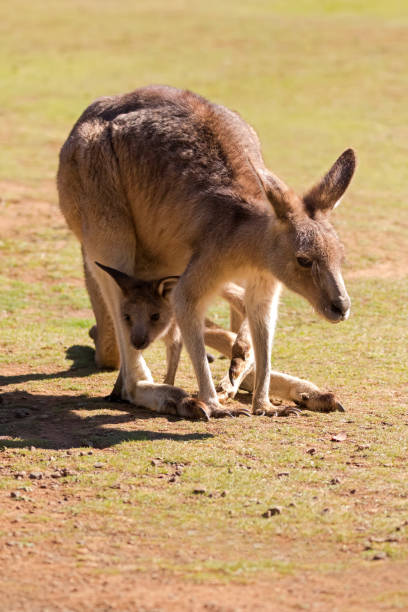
236, 368
192, 408
318, 401
225, 390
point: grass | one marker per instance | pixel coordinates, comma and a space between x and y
313, 78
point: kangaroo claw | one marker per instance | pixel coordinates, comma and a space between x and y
287, 411
219, 413
279, 412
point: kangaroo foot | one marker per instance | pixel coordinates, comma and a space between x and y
265, 408
221, 412
225, 390
319, 401
105, 356
279, 412
191, 408
237, 367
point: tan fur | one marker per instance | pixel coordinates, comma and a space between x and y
161, 182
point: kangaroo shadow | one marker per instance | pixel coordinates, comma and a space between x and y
62, 422
83, 358
59, 422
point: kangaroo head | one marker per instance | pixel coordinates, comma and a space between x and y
307, 255
146, 307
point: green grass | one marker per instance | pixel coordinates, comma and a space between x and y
313, 78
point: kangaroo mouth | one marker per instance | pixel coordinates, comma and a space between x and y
140, 346
335, 315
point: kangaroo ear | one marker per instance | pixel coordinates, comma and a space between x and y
284, 201
166, 285
124, 281
325, 195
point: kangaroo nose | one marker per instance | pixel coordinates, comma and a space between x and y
140, 342
341, 305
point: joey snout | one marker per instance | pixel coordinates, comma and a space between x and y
139, 338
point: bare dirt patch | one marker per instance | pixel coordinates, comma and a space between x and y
81, 588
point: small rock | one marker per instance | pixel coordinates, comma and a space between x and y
281, 474
386, 539
35, 475
66, 472
19, 475
340, 437
311, 451
56, 475
352, 491
32, 448
335, 481
17, 496
21, 414
199, 490
173, 478
272, 512
224, 493
155, 462
379, 556
99, 465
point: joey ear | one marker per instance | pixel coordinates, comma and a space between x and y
124, 281
284, 201
166, 285
325, 195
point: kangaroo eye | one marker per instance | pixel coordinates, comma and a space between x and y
304, 262
155, 316
127, 318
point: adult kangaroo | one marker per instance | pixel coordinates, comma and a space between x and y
162, 182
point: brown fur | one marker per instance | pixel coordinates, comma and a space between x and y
161, 182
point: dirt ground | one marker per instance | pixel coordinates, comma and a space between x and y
33, 584
47, 577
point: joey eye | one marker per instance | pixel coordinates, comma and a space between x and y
304, 262
126, 318
155, 316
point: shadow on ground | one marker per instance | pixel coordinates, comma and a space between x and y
61, 421
83, 358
